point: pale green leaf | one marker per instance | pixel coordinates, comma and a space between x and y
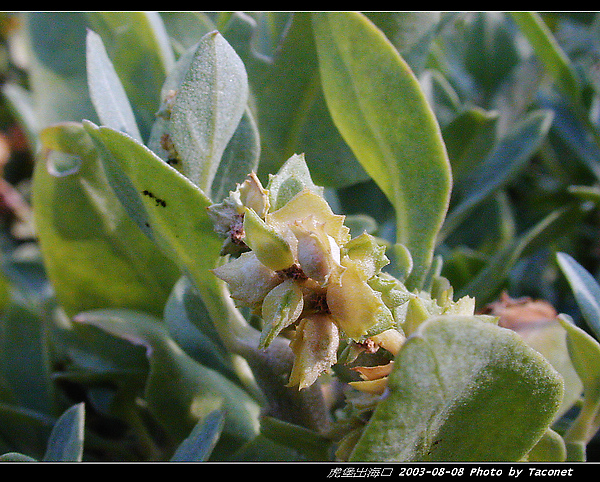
140, 49
585, 288
378, 106
462, 390
66, 440
83, 229
172, 211
198, 446
106, 90
549, 52
207, 109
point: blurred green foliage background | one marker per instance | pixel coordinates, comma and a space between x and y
519, 115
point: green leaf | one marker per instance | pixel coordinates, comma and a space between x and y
549, 52
202, 440
389, 126
585, 355
290, 108
106, 90
462, 390
24, 431
179, 391
241, 156
491, 51
469, 137
82, 229
574, 131
207, 109
504, 163
585, 288
292, 177
166, 205
24, 360
485, 285
57, 70
66, 440
550, 448
190, 326
550, 339
16, 457
172, 211
140, 49
309, 443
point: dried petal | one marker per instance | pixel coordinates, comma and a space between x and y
391, 340
375, 387
376, 372
305, 204
317, 253
254, 196
354, 305
224, 214
315, 345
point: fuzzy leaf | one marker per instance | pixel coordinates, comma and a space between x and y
106, 90
66, 440
462, 390
389, 126
207, 109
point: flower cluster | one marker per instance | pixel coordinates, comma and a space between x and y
297, 267
293, 262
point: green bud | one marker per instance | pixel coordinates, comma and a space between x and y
267, 244
416, 313
248, 279
281, 307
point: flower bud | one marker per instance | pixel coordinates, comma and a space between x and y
368, 256
267, 244
373, 387
281, 307
248, 279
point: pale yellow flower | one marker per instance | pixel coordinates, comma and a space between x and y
303, 272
